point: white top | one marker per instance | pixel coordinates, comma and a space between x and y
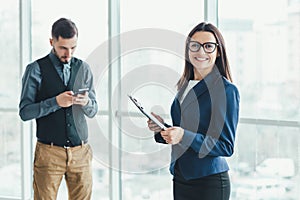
190, 85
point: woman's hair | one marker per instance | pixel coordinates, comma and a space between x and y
65, 28
221, 60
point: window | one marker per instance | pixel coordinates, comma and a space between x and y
10, 137
147, 60
152, 60
263, 49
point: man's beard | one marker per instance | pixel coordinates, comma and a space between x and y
55, 53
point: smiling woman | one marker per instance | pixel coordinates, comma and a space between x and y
205, 114
204, 58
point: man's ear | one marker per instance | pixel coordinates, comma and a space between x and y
51, 41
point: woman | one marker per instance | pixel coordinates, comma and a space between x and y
205, 114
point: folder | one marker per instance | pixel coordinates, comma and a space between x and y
148, 115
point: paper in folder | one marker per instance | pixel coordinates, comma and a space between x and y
148, 115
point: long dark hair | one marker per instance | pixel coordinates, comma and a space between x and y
221, 61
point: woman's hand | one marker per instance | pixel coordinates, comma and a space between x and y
173, 135
152, 125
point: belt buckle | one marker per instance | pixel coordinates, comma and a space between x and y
66, 147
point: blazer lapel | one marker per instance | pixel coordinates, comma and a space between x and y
207, 83
176, 110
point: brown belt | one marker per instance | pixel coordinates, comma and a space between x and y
64, 146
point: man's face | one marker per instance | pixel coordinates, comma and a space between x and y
64, 48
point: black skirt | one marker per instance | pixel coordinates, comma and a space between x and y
213, 187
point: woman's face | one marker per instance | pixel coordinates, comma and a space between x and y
202, 61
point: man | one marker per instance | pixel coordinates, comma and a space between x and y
50, 95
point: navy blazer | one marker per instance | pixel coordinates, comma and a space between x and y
209, 116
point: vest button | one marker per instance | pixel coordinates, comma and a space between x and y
69, 125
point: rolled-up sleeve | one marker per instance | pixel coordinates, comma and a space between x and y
28, 107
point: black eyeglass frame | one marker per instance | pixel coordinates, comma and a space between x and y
202, 45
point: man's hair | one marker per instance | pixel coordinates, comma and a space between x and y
65, 28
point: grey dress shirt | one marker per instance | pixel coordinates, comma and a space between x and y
31, 83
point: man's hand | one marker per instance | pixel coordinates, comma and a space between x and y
81, 99
65, 99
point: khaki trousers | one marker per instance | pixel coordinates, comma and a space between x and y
51, 163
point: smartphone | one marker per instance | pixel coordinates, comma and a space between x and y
81, 91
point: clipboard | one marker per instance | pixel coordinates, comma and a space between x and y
148, 115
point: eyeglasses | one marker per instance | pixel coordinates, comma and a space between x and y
208, 47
